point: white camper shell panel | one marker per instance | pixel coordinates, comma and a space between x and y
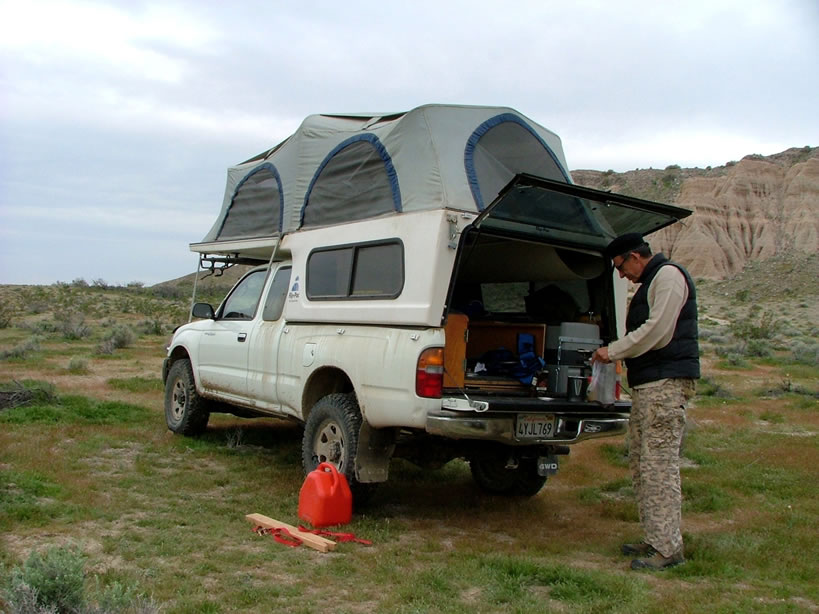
428, 239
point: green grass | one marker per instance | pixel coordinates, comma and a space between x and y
163, 515
137, 384
74, 409
171, 511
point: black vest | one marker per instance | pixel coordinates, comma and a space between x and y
681, 357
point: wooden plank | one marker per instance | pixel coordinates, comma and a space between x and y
322, 544
455, 350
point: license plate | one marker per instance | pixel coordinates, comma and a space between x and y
535, 426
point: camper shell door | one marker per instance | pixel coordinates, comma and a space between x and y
564, 214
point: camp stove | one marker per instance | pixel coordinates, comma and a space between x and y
569, 347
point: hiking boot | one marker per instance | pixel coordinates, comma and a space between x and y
641, 549
658, 561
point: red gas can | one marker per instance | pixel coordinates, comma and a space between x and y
325, 498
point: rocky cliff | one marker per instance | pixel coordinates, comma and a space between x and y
745, 211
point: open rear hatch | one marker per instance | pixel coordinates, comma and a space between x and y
564, 214
531, 278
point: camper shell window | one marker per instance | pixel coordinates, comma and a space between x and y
361, 271
356, 181
256, 207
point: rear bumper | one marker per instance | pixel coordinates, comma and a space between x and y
570, 428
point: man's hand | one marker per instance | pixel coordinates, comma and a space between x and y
601, 355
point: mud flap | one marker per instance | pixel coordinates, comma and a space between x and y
375, 449
547, 465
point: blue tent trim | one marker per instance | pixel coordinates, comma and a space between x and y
472, 143
382, 152
266, 166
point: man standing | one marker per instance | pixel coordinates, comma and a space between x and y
662, 355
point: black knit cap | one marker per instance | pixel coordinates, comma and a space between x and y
624, 243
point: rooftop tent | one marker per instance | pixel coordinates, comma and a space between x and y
341, 168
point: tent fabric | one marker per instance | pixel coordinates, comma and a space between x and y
355, 181
340, 168
256, 207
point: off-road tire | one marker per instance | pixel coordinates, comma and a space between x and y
331, 436
186, 412
491, 474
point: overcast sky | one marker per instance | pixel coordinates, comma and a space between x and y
118, 120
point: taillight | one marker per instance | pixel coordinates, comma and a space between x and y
429, 376
618, 386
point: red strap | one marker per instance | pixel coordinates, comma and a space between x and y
339, 537
280, 534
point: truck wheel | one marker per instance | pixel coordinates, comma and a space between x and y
331, 436
185, 411
493, 474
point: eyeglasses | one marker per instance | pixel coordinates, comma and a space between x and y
619, 267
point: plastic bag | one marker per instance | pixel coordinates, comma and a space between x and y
603, 383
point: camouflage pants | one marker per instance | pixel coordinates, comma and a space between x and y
655, 435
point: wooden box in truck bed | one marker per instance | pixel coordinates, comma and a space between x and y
486, 335
469, 340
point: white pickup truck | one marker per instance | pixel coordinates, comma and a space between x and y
430, 285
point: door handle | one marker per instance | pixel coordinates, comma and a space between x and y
241, 338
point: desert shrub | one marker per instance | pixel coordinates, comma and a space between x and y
6, 313
38, 327
55, 582
101, 284
37, 307
78, 365
758, 348
731, 359
787, 329
79, 282
169, 291
708, 387
72, 324
152, 326
805, 353
32, 344
120, 336
752, 327
54, 578
737, 348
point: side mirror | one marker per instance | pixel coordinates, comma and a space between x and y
203, 310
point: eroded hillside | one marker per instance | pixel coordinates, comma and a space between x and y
745, 211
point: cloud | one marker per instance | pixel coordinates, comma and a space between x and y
118, 119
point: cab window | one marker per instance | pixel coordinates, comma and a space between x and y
241, 304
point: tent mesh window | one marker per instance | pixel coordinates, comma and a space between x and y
356, 182
498, 152
255, 210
